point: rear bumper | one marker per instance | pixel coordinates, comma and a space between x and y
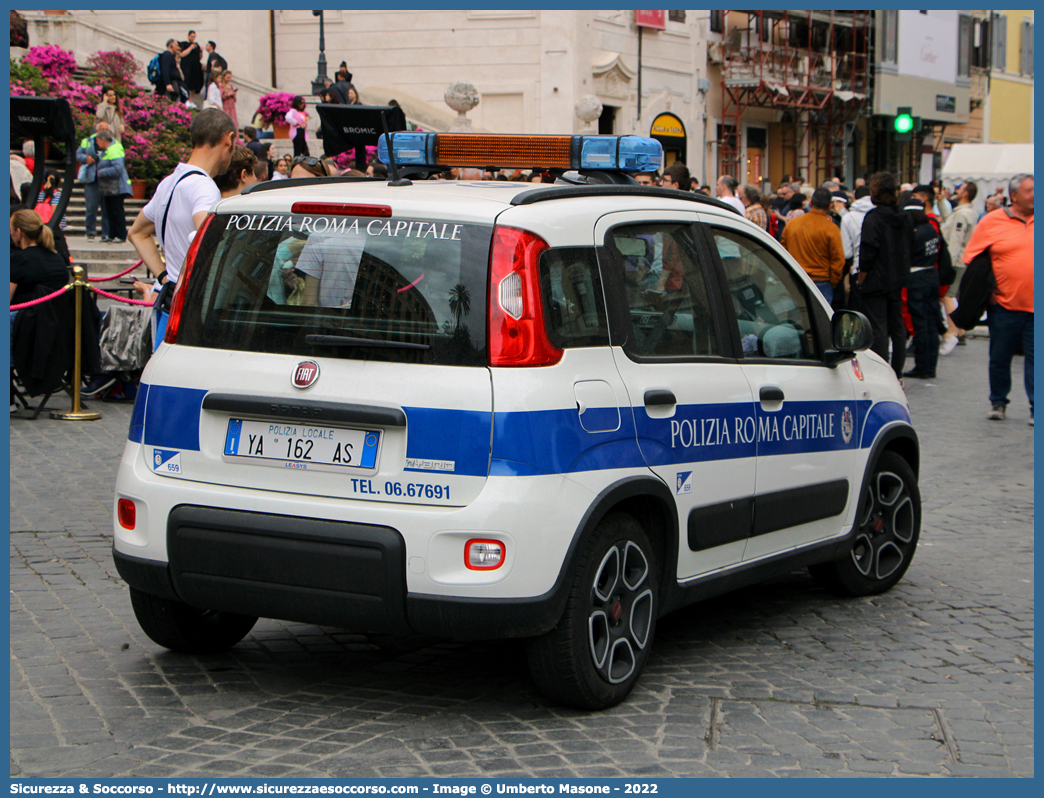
347, 575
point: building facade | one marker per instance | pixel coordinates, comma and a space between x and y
755, 94
530, 67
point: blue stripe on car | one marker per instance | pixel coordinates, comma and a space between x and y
458, 435
172, 417
554, 442
881, 414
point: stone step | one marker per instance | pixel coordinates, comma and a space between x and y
115, 253
101, 268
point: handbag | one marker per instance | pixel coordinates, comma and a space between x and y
46, 210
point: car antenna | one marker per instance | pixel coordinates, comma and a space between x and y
396, 180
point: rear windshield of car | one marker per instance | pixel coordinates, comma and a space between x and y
398, 290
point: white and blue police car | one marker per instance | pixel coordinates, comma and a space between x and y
497, 409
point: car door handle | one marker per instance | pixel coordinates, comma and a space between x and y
660, 397
770, 393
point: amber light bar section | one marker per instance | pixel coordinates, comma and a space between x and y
454, 149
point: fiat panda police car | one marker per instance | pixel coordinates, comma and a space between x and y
492, 409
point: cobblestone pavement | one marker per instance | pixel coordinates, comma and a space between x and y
934, 678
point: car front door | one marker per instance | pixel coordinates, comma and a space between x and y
806, 410
692, 405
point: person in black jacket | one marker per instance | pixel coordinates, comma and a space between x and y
922, 295
886, 241
192, 63
170, 77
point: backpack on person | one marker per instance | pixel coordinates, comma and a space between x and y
152, 71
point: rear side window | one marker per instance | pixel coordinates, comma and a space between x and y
574, 306
398, 290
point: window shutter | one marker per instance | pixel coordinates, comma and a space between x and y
964, 30
1000, 42
1026, 59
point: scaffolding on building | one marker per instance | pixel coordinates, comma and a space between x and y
811, 66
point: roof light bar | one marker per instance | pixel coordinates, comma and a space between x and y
612, 153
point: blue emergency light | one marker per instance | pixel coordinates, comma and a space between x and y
610, 153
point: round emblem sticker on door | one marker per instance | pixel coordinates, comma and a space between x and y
305, 374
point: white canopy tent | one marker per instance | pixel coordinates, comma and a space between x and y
987, 165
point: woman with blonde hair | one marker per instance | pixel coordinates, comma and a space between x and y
36, 262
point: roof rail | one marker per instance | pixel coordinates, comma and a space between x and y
565, 192
291, 182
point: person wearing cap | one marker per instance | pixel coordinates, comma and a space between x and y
838, 206
815, 242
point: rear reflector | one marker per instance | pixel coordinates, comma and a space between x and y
341, 209
126, 513
483, 555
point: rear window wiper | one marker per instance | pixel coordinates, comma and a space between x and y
345, 340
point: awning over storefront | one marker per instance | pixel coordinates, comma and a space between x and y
989, 166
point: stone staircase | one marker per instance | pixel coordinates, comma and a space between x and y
98, 258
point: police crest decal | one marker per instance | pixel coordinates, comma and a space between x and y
847, 425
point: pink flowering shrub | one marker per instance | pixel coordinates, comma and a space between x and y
115, 68
27, 80
157, 134
52, 60
273, 107
161, 138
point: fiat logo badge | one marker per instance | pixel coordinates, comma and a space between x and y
305, 374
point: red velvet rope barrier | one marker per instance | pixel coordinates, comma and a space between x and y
42, 299
61, 291
120, 298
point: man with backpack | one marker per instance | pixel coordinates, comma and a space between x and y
168, 79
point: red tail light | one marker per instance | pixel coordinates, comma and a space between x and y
517, 335
183, 278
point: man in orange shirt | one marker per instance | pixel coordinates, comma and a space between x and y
815, 242
1008, 235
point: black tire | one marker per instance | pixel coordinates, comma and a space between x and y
888, 526
179, 627
595, 655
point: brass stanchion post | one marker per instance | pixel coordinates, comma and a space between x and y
79, 283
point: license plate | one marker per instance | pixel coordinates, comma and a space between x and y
302, 446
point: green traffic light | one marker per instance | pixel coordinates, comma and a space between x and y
903, 123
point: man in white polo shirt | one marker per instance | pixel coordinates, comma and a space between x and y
726, 190
182, 199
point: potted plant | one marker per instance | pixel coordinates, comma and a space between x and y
272, 110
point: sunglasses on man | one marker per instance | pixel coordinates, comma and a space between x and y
310, 161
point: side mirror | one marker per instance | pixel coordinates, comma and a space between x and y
850, 332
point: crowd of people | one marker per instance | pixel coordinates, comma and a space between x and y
899, 253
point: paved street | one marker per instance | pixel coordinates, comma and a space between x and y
934, 678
